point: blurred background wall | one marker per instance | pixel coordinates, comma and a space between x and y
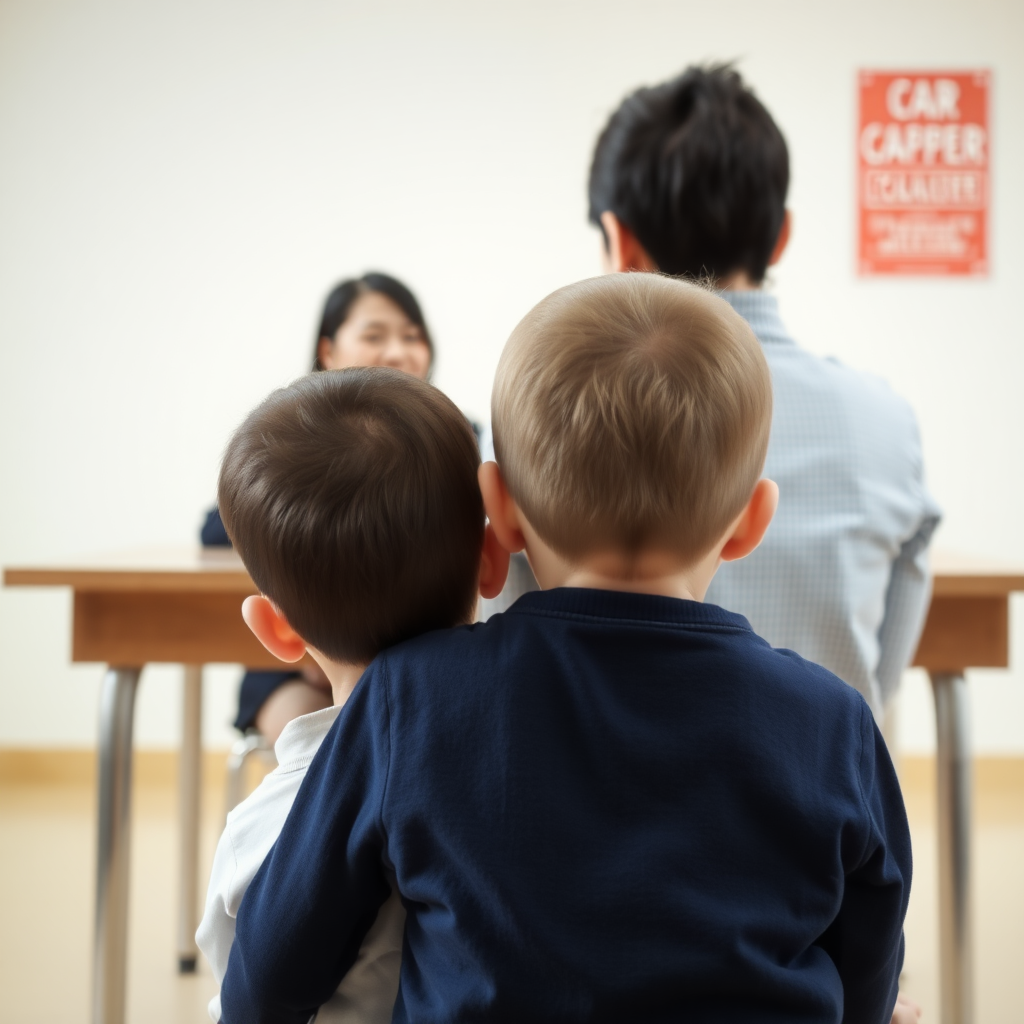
180, 185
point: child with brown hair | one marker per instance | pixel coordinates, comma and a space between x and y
352, 498
612, 802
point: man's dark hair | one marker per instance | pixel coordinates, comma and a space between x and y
352, 497
697, 169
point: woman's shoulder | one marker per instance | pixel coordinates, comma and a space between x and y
212, 533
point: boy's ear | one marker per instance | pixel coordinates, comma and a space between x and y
500, 508
624, 251
783, 240
749, 529
494, 561
272, 629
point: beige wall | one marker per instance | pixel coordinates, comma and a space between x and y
181, 183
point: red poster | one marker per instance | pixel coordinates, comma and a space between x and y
923, 181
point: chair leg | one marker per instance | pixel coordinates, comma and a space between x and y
953, 764
189, 784
117, 710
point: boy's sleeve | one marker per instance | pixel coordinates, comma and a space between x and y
303, 918
866, 939
216, 931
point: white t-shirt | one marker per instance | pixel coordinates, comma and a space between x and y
367, 993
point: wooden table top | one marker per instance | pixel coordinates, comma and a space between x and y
181, 605
195, 569
168, 569
957, 575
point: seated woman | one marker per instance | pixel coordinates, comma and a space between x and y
373, 320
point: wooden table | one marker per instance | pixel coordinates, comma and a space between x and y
181, 605
178, 605
968, 626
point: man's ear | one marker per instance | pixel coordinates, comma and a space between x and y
500, 508
624, 251
272, 629
783, 240
494, 561
749, 529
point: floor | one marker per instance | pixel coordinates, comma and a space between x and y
46, 879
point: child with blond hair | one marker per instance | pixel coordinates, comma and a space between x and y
613, 802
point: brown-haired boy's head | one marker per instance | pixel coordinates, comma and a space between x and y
631, 414
352, 498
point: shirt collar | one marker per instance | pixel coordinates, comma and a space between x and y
646, 609
761, 311
301, 737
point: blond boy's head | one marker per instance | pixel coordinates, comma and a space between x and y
631, 413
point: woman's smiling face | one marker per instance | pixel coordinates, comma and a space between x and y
377, 333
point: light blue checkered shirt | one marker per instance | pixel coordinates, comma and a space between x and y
842, 574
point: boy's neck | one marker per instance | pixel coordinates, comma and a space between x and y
662, 573
739, 282
342, 676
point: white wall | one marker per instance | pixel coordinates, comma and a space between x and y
181, 183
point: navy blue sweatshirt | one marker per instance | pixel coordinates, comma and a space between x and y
598, 807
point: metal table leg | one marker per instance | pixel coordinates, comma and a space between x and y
117, 707
954, 787
189, 777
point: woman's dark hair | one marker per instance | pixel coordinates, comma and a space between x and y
697, 169
339, 305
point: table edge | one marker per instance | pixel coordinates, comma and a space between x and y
207, 581
976, 585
